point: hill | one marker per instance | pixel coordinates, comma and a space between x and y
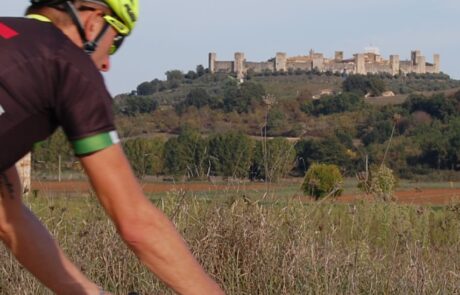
270, 126
217, 103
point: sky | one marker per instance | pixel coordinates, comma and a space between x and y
178, 34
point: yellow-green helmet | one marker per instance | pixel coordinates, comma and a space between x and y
126, 10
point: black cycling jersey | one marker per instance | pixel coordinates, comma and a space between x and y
46, 81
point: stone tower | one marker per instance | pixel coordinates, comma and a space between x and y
281, 62
437, 63
212, 62
420, 67
238, 66
394, 64
24, 167
360, 64
414, 55
338, 56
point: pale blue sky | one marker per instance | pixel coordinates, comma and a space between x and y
178, 34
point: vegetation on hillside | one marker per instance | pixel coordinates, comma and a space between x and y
202, 118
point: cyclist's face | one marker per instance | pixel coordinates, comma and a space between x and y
101, 57
96, 24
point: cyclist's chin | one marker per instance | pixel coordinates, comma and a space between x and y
102, 61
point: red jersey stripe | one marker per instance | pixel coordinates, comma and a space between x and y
7, 32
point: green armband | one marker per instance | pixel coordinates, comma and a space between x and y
94, 143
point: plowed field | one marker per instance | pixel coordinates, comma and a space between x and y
413, 196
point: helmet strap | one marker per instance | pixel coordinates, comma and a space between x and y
88, 46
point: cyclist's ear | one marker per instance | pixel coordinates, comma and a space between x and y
93, 23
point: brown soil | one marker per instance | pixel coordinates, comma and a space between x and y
414, 196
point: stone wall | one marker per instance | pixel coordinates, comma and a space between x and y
341, 67
223, 66
360, 63
406, 67
375, 68
260, 67
299, 66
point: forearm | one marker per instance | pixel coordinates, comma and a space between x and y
156, 242
33, 246
36, 250
145, 228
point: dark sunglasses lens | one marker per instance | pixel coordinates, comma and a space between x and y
117, 41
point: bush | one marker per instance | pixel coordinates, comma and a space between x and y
323, 180
364, 84
383, 183
344, 102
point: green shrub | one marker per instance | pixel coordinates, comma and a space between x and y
383, 183
323, 180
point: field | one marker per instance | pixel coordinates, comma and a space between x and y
266, 239
408, 193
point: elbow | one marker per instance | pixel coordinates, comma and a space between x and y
133, 231
140, 230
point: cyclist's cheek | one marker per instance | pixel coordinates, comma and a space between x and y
101, 56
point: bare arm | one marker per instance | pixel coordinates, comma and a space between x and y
145, 229
33, 246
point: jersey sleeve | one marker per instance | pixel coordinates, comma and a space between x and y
84, 107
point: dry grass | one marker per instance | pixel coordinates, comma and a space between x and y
267, 248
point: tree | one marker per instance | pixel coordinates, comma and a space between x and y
146, 88
187, 154
328, 151
438, 106
174, 78
174, 75
191, 75
364, 84
239, 98
379, 132
276, 121
344, 102
433, 144
231, 154
323, 180
197, 97
145, 155
133, 105
453, 150
46, 155
200, 70
272, 160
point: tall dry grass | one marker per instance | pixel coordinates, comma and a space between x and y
266, 248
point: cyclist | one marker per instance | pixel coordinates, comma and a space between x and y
46, 81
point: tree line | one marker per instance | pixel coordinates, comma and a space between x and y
416, 137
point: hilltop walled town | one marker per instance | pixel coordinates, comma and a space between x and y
361, 63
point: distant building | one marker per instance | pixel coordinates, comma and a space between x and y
361, 63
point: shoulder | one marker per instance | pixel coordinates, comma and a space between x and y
42, 42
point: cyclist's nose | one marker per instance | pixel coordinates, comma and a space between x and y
105, 65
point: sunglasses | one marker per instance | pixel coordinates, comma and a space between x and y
122, 32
